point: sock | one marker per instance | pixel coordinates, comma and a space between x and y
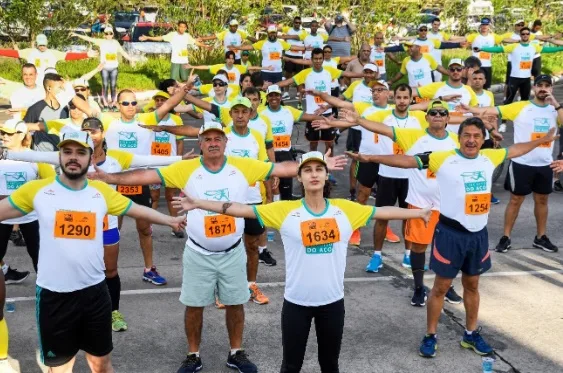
250, 283
194, 353
114, 287
3, 339
234, 351
378, 253
261, 249
407, 252
147, 269
5, 268
468, 332
276, 197
417, 267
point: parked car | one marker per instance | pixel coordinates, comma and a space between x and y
131, 42
123, 20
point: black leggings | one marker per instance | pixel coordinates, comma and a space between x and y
286, 183
296, 323
488, 75
30, 232
518, 84
109, 80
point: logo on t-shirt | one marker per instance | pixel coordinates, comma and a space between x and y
161, 137
541, 124
244, 153
320, 85
474, 181
14, 180
418, 74
218, 194
128, 140
278, 127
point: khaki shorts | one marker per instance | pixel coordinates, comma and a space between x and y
205, 273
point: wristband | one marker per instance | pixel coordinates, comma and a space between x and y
490, 130
558, 108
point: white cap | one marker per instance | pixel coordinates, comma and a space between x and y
312, 156
379, 82
108, 28
272, 28
421, 26
211, 126
80, 137
455, 61
41, 39
13, 126
50, 70
519, 21
233, 22
220, 77
273, 89
80, 83
371, 67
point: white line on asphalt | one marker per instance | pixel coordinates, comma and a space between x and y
346, 280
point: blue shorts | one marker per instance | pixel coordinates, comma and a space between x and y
111, 237
454, 250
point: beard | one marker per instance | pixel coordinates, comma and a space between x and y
75, 175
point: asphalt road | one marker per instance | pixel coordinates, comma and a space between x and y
521, 303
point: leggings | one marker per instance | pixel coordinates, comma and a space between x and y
296, 323
30, 232
109, 79
518, 84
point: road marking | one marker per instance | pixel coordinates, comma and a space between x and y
346, 280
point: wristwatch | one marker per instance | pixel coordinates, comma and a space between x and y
558, 108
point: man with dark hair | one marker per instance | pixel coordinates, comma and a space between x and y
232, 70
30, 92
471, 65
536, 30
294, 36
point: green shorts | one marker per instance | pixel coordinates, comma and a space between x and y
178, 73
205, 273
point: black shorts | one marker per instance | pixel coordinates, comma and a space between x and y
291, 67
69, 322
367, 173
488, 144
143, 199
391, 190
536, 67
524, 180
252, 227
353, 140
508, 70
488, 75
314, 135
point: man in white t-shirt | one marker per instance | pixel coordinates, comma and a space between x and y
30, 92
181, 41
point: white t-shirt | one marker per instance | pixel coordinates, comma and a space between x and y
272, 53
24, 97
481, 41
282, 124
109, 50
319, 81
129, 136
314, 41
370, 140
180, 45
419, 72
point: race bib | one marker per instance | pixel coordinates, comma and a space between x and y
424, 49
319, 232
219, 225
111, 57
106, 223
183, 53
477, 204
430, 174
275, 56
232, 77
375, 138
397, 150
484, 56
525, 65
379, 63
37, 62
161, 148
75, 224
319, 101
282, 141
539, 135
420, 99
130, 190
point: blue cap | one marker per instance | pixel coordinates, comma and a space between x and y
485, 21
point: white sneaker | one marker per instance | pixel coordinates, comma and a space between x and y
502, 128
285, 96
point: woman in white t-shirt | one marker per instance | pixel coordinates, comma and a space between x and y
315, 232
109, 51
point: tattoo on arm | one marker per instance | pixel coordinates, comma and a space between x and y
226, 205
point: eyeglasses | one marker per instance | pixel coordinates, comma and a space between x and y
378, 90
456, 69
80, 90
434, 112
525, 33
127, 103
219, 84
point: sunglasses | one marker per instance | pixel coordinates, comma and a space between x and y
219, 84
423, 29
2, 133
80, 90
434, 112
525, 33
456, 69
519, 25
127, 103
108, 33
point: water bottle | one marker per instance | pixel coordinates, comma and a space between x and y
271, 235
10, 305
488, 364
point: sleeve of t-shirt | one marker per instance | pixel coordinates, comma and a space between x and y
285, 45
301, 76
432, 61
22, 198
269, 134
243, 34
214, 68
53, 125
512, 110
45, 171
123, 158
473, 100
148, 119
258, 45
252, 169
496, 156
436, 159
168, 37
117, 203
334, 73
33, 113
221, 35
349, 92
471, 38
429, 90
273, 214
262, 154
360, 107
205, 89
406, 137
296, 114
403, 69
176, 175
358, 215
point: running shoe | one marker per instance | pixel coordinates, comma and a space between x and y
267, 258
299, 106
118, 323
453, 297
153, 277
219, 305
375, 263
352, 196
494, 200
13, 276
356, 238
391, 237
406, 261
419, 297
504, 245
241, 362
178, 234
191, 364
428, 346
257, 296
285, 96
475, 342
17, 238
502, 127
545, 244
557, 187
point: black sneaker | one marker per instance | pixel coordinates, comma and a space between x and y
266, 258
557, 187
453, 297
17, 238
191, 364
352, 195
419, 297
241, 362
15, 277
504, 245
178, 234
545, 244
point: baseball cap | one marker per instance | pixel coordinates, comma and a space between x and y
273, 89
408, 43
80, 83
233, 22
272, 28
456, 61
246, 53
51, 70
108, 29
422, 25
162, 94
241, 101
339, 17
519, 21
81, 138
211, 126
543, 78
220, 77
434, 104
13, 126
378, 82
485, 21
41, 39
312, 156
92, 124
370, 66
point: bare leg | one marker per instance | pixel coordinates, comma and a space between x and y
193, 324
470, 300
251, 244
67, 368
511, 213
99, 364
540, 212
235, 324
436, 302
145, 239
155, 196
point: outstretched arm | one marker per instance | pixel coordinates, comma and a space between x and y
397, 160
397, 213
7, 211
235, 209
522, 148
298, 61
331, 100
153, 216
183, 130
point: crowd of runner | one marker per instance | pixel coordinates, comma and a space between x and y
73, 166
